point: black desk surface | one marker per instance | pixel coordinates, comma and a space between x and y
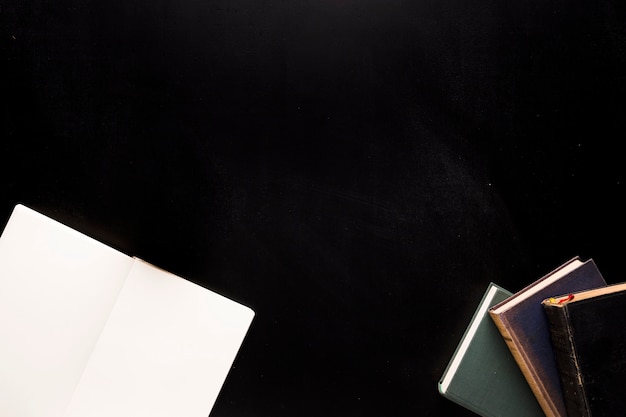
355, 171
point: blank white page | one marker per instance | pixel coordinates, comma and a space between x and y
57, 287
165, 351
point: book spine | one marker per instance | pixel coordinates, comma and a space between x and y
532, 380
566, 360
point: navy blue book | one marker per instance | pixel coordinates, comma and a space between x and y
524, 327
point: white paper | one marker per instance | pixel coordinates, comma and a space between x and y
86, 330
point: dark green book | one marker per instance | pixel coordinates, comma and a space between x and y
482, 374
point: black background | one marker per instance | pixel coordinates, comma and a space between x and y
355, 171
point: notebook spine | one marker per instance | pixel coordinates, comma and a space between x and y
567, 363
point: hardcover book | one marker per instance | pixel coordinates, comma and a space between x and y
87, 331
589, 340
524, 327
482, 375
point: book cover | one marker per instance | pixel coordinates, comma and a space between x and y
589, 340
89, 331
482, 375
523, 325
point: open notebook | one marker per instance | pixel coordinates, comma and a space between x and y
87, 331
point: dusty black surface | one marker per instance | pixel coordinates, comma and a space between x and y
354, 171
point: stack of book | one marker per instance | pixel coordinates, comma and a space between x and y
556, 348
